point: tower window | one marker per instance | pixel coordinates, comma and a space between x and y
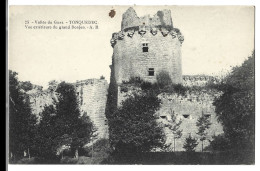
145, 47
151, 71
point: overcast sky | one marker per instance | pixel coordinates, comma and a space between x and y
216, 38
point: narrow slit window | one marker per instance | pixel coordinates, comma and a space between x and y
151, 71
163, 117
145, 47
186, 116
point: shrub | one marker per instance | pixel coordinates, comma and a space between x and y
163, 79
190, 144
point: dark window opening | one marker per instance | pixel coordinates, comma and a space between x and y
163, 117
186, 116
145, 47
151, 72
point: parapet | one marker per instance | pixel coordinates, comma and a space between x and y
198, 80
132, 25
162, 19
90, 81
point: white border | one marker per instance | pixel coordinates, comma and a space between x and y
146, 2
131, 2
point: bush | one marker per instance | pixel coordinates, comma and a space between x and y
100, 151
163, 79
219, 143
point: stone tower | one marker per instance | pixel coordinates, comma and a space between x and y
146, 46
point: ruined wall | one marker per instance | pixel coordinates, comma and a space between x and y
163, 42
92, 96
39, 99
161, 18
187, 108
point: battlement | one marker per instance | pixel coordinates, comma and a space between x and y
162, 19
132, 25
198, 80
91, 81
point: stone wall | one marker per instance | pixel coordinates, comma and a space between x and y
187, 108
92, 96
164, 48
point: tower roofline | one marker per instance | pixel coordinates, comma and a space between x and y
161, 19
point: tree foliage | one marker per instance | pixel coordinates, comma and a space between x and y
219, 143
62, 124
235, 108
203, 125
174, 125
134, 127
21, 120
26, 85
190, 144
163, 79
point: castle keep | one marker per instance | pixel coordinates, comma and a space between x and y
146, 46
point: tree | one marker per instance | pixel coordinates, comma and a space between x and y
68, 119
219, 143
163, 79
26, 85
235, 108
46, 142
82, 134
174, 126
53, 84
62, 125
21, 120
203, 124
190, 144
134, 127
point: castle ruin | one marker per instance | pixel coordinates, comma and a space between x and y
144, 47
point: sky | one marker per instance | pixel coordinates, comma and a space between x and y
216, 39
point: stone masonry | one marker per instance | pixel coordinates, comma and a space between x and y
145, 46
92, 95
